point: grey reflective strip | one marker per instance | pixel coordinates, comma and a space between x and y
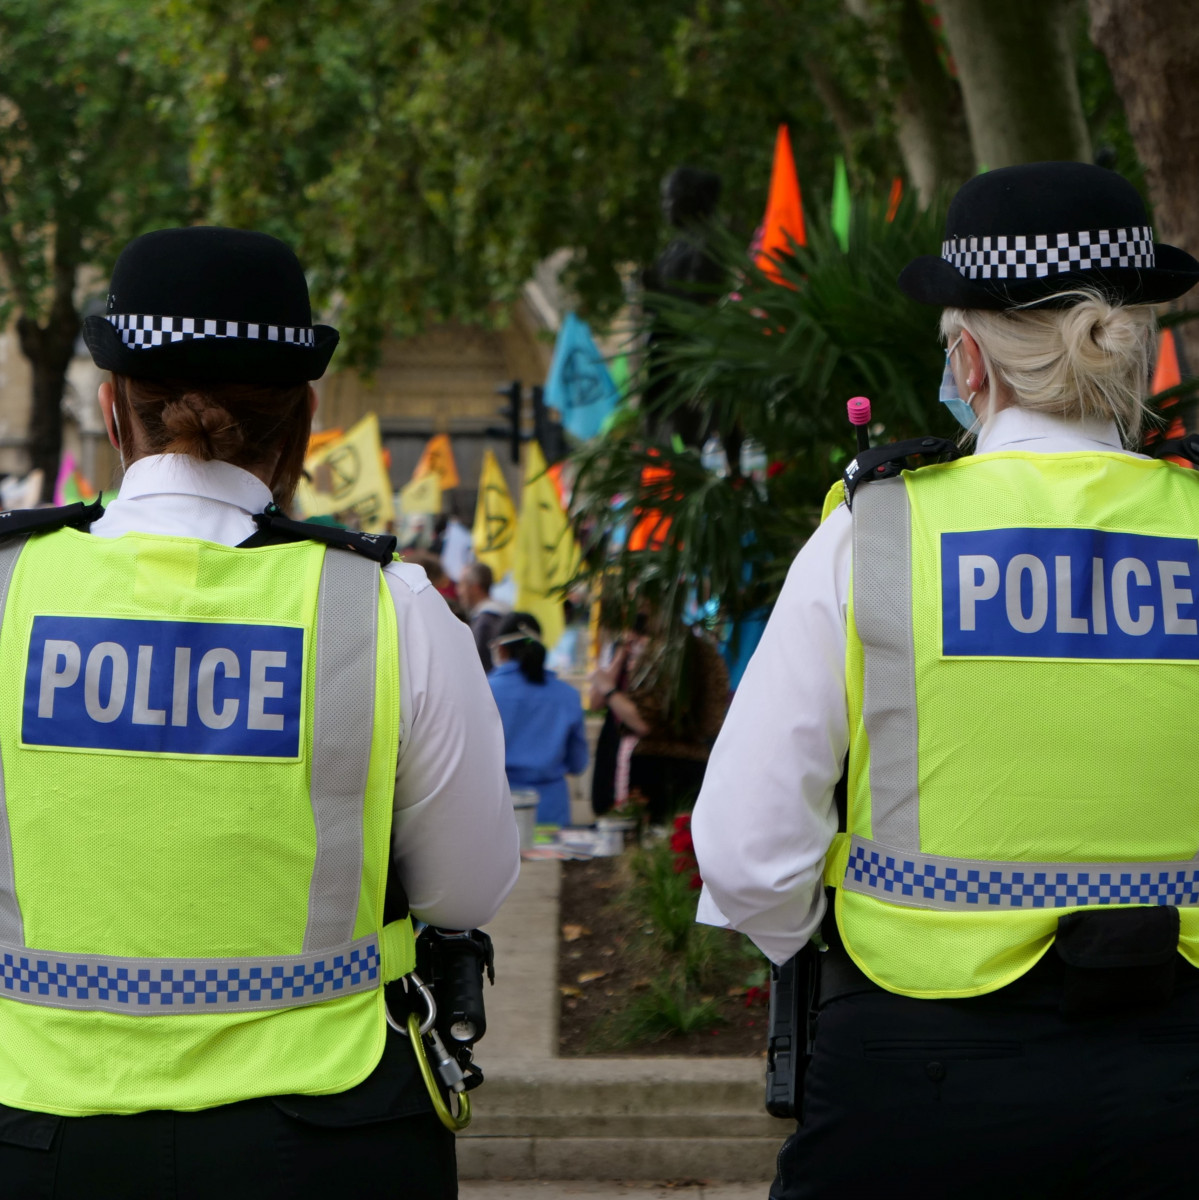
343, 725
160, 986
882, 605
12, 927
934, 881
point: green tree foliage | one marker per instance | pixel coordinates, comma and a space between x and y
426, 155
777, 362
92, 152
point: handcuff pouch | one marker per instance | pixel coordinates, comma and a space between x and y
1117, 959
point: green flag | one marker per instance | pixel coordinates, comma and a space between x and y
840, 214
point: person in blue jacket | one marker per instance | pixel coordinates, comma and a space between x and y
543, 718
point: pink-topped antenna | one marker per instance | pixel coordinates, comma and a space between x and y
859, 416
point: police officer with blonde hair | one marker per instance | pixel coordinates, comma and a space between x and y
1002, 651
236, 763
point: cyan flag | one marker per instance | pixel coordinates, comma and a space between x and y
579, 385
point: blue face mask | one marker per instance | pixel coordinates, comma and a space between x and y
952, 398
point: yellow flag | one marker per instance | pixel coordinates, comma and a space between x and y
494, 532
438, 457
348, 477
421, 495
546, 553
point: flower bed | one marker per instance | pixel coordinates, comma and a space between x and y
637, 976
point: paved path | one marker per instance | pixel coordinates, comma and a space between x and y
522, 1007
541, 1118
536, 1190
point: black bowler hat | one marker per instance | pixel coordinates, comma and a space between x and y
1029, 233
211, 305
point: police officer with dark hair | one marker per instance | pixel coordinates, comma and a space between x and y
1003, 648
236, 762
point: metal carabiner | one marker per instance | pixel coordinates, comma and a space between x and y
430, 1005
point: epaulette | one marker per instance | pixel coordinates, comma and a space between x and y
47, 520
1183, 447
275, 529
883, 462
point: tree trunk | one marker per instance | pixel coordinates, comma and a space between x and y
49, 349
847, 121
1016, 66
930, 120
1152, 49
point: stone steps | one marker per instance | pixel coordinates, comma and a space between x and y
680, 1119
540, 1117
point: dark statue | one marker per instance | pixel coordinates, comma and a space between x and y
685, 269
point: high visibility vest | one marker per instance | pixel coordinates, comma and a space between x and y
1022, 668
197, 764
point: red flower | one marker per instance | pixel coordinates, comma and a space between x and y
683, 863
776, 468
695, 882
757, 995
681, 842
682, 821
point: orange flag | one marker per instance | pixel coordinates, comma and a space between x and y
1168, 374
318, 439
652, 527
784, 210
438, 456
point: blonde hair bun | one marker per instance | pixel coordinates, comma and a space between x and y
1090, 360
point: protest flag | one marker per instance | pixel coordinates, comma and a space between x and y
318, 439
651, 526
438, 456
783, 222
579, 385
421, 495
347, 476
839, 218
1167, 373
70, 487
546, 554
494, 530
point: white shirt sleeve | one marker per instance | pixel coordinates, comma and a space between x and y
454, 837
765, 817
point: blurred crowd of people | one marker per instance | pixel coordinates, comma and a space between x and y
657, 727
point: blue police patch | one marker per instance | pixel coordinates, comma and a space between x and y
1069, 593
164, 687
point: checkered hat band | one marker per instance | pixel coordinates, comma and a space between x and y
141, 332
1035, 256
934, 881
161, 986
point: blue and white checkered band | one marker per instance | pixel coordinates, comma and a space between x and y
161, 986
1034, 256
934, 881
145, 332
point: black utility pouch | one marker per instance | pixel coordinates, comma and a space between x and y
1117, 959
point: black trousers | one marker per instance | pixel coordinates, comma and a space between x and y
379, 1139
998, 1096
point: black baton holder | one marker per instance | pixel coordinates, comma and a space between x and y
792, 1026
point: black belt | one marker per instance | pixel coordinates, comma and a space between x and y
1102, 962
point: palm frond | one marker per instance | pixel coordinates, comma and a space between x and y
775, 362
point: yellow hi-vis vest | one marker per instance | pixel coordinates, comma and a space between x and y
1023, 680
197, 763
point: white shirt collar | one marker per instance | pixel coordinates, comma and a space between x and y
181, 475
1018, 429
